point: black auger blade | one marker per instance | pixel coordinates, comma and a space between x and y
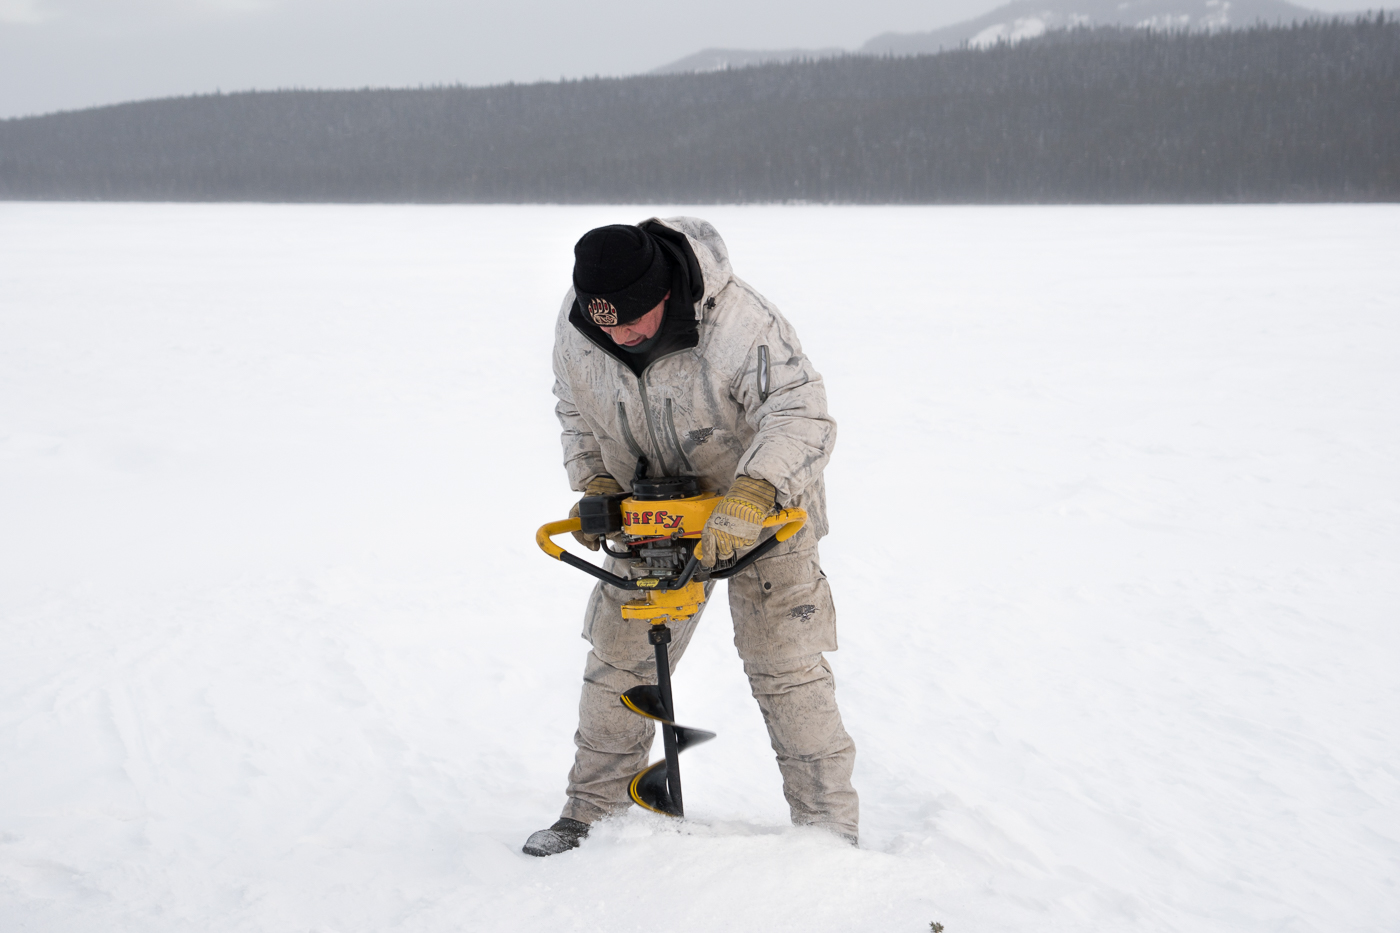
648, 789
686, 737
646, 701
651, 787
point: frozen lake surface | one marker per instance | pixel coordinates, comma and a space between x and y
1115, 547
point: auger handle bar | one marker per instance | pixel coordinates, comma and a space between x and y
788, 521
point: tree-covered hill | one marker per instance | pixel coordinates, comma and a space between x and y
1306, 112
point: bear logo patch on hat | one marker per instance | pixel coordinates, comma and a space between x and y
603, 313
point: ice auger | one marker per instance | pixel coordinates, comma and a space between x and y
658, 525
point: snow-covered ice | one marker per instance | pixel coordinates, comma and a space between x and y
1116, 541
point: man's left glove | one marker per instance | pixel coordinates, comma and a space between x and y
737, 521
600, 485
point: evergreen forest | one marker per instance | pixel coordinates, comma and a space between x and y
1309, 112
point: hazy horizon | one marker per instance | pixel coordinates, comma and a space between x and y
73, 54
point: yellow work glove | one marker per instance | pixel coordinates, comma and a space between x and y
602, 485
737, 520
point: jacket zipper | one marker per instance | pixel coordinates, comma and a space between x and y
762, 374
631, 441
675, 436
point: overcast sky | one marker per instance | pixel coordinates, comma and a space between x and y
64, 54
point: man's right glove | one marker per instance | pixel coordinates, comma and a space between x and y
737, 521
600, 485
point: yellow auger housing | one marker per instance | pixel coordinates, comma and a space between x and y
648, 518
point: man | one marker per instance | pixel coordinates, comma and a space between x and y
662, 353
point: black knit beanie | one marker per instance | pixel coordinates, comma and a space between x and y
619, 274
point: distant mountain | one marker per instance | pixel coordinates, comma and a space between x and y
1024, 19
720, 59
1027, 19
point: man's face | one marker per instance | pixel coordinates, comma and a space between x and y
643, 328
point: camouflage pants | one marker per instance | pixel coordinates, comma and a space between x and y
783, 621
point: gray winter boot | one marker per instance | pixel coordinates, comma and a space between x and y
564, 835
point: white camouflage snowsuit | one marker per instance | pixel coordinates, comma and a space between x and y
744, 401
